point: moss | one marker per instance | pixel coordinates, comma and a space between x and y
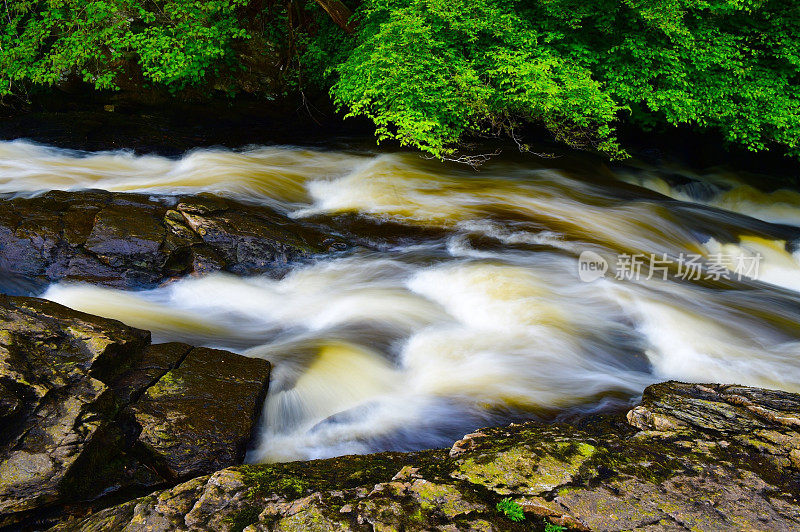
291, 485
243, 518
443, 498
649, 459
524, 470
310, 519
340, 473
262, 480
168, 384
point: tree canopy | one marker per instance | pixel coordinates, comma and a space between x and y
430, 73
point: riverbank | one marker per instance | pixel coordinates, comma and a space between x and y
108, 121
688, 457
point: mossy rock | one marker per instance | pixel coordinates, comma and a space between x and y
655, 469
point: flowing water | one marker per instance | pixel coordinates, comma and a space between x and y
479, 314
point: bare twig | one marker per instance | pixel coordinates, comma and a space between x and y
524, 148
475, 161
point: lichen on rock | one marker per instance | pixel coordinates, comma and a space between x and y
689, 457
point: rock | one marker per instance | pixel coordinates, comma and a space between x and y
188, 416
80, 394
248, 241
525, 470
123, 235
156, 361
55, 367
138, 241
689, 457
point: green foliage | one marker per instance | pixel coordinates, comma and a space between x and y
510, 509
428, 72
550, 527
731, 65
174, 42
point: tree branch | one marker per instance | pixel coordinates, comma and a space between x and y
340, 14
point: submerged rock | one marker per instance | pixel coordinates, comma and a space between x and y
134, 240
689, 457
80, 395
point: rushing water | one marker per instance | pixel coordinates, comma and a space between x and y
482, 320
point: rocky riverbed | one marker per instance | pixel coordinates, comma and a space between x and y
94, 414
402, 304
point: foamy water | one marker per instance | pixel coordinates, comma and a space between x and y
413, 346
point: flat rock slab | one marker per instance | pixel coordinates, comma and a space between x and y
201, 415
135, 240
73, 389
689, 457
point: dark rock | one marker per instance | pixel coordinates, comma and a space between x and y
73, 388
249, 240
10, 405
204, 259
156, 361
124, 235
138, 241
689, 457
55, 365
188, 418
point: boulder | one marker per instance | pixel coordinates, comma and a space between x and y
188, 418
689, 457
138, 241
80, 395
55, 368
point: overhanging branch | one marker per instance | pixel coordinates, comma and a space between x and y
340, 14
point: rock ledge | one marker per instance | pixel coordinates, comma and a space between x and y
689, 457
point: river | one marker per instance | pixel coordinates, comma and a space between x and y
530, 288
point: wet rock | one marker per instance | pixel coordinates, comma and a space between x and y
701, 460
689, 457
124, 235
55, 368
72, 388
134, 240
189, 419
157, 360
250, 241
525, 469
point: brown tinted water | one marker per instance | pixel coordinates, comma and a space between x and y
476, 312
